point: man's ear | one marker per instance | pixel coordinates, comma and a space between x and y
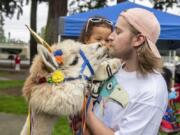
48, 58
139, 40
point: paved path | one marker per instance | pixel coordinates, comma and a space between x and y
11, 74
4, 78
11, 124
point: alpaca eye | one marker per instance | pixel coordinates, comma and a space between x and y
109, 86
75, 61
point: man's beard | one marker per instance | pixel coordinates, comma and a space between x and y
111, 53
123, 55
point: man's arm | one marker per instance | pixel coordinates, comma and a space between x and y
95, 125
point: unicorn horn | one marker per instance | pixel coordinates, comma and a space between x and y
39, 39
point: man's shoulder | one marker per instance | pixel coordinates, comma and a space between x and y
157, 78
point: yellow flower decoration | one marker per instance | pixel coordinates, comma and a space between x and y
57, 76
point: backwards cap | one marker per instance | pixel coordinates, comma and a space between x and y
146, 23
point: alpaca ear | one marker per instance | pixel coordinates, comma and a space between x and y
45, 51
48, 58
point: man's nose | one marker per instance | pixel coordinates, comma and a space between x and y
111, 36
106, 43
103, 42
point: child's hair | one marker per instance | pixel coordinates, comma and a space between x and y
95, 21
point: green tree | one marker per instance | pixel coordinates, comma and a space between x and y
33, 25
164, 4
160, 4
76, 6
8, 8
42, 32
56, 8
118, 1
2, 36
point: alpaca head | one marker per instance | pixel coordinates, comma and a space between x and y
65, 97
77, 59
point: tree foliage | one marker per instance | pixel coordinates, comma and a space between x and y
77, 6
42, 32
57, 8
2, 36
160, 4
164, 4
8, 8
33, 25
118, 1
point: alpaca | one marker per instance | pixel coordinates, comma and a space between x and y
56, 87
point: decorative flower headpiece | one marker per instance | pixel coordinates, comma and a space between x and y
56, 77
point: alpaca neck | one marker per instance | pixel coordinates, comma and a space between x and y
42, 124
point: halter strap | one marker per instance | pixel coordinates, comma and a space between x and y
86, 63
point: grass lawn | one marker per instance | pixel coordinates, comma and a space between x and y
62, 127
9, 103
13, 104
11, 84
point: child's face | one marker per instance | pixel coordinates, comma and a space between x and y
99, 34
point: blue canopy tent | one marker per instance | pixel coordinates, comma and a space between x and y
70, 26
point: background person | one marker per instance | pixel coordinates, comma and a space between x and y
17, 62
140, 112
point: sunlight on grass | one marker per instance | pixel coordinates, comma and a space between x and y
13, 104
11, 84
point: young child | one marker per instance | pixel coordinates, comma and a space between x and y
96, 29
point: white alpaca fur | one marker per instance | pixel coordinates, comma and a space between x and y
48, 101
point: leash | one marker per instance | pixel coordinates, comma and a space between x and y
85, 105
29, 126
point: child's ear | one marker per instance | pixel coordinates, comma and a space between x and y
86, 39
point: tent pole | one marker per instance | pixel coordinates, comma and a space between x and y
59, 38
169, 59
174, 67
